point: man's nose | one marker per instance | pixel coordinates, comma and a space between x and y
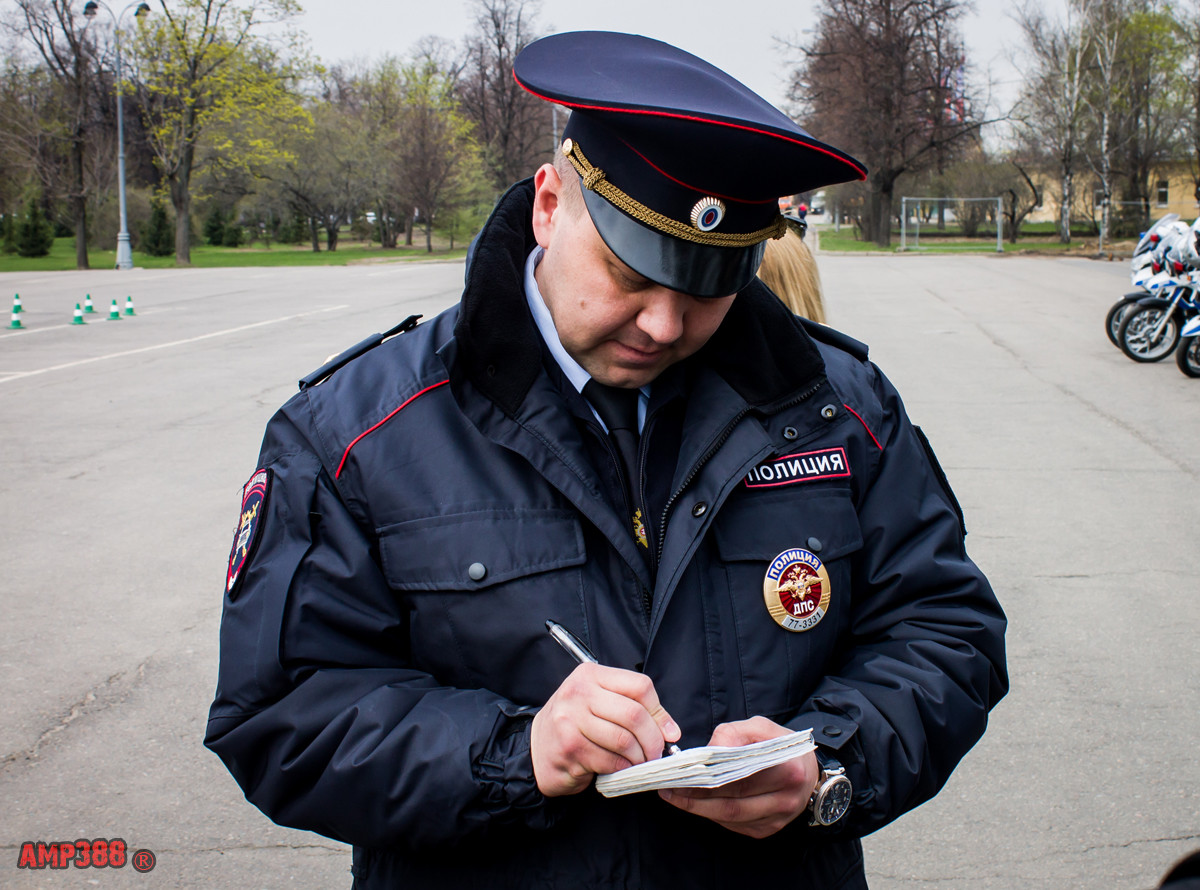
662, 315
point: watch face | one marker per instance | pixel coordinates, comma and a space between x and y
834, 801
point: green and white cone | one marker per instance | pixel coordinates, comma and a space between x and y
78, 319
87, 304
129, 306
17, 307
114, 314
15, 324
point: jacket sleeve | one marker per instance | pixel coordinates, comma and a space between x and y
318, 714
910, 690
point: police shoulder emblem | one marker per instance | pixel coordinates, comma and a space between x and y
797, 589
249, 527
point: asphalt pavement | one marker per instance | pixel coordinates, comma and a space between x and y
124, 446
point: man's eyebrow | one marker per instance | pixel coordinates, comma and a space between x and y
625, 271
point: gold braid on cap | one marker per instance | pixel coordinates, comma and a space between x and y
594, 180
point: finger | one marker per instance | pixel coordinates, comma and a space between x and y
624, 726
745, 732
640, 688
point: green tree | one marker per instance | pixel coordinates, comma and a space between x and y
435, 154
157, 239
1050, 114
58, 31
35, 236
514, 128
881, 79
214, 92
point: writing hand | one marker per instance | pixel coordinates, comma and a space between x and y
600, 720
761, 804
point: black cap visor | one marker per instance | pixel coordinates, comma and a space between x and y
694, 269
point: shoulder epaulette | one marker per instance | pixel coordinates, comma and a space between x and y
355, 351
835, 338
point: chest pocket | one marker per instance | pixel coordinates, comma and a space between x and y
779, 667
479, 587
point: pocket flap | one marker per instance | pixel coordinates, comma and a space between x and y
473, 551
759, 527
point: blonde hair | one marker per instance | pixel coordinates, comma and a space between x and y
788, 268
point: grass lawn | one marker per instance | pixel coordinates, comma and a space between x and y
62, 256
1040, 242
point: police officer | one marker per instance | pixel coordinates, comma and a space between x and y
619, 429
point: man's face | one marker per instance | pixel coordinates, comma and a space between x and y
621, 327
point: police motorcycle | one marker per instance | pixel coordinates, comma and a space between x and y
1141, 270
1187, 356
1150, 330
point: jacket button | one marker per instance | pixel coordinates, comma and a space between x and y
789, 433
832, 731
829, 412
477, 571
700, 509
814, 544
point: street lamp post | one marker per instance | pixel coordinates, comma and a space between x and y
124, 251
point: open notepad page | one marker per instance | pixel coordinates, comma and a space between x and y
708, 767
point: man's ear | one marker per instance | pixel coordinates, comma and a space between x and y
546, 204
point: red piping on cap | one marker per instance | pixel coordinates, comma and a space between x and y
862, 174
693, 188
362, 435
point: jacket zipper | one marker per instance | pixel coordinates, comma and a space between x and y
643, 448
713, 449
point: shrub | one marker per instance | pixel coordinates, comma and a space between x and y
214, 227
234, 236
158, 238
35, 237
8, 235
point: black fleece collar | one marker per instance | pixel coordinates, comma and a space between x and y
760, 349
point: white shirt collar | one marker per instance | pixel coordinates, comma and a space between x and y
545, 325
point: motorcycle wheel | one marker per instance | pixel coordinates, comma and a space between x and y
1112, 321
1136, 328
1188, 356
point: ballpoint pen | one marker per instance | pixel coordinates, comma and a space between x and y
581, 653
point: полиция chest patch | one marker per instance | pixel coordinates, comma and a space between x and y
797, 589
827, 463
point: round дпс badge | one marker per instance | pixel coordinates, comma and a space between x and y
796, 589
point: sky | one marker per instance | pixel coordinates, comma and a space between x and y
744, 45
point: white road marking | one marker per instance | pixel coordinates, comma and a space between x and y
100, 358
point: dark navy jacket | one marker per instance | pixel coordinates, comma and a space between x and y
432, 503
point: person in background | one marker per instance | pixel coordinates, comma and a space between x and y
790, 270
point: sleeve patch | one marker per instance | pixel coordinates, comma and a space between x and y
249, 528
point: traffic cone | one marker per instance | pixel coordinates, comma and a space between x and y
114, 314
17, 307
87, 304
15, 324
129, 306
78, 319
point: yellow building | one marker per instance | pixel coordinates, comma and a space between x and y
1172, 190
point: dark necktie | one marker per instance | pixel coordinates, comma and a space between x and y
618, 408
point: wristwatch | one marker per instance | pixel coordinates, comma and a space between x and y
831, 797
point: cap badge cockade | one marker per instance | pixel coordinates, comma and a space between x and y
707, 214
